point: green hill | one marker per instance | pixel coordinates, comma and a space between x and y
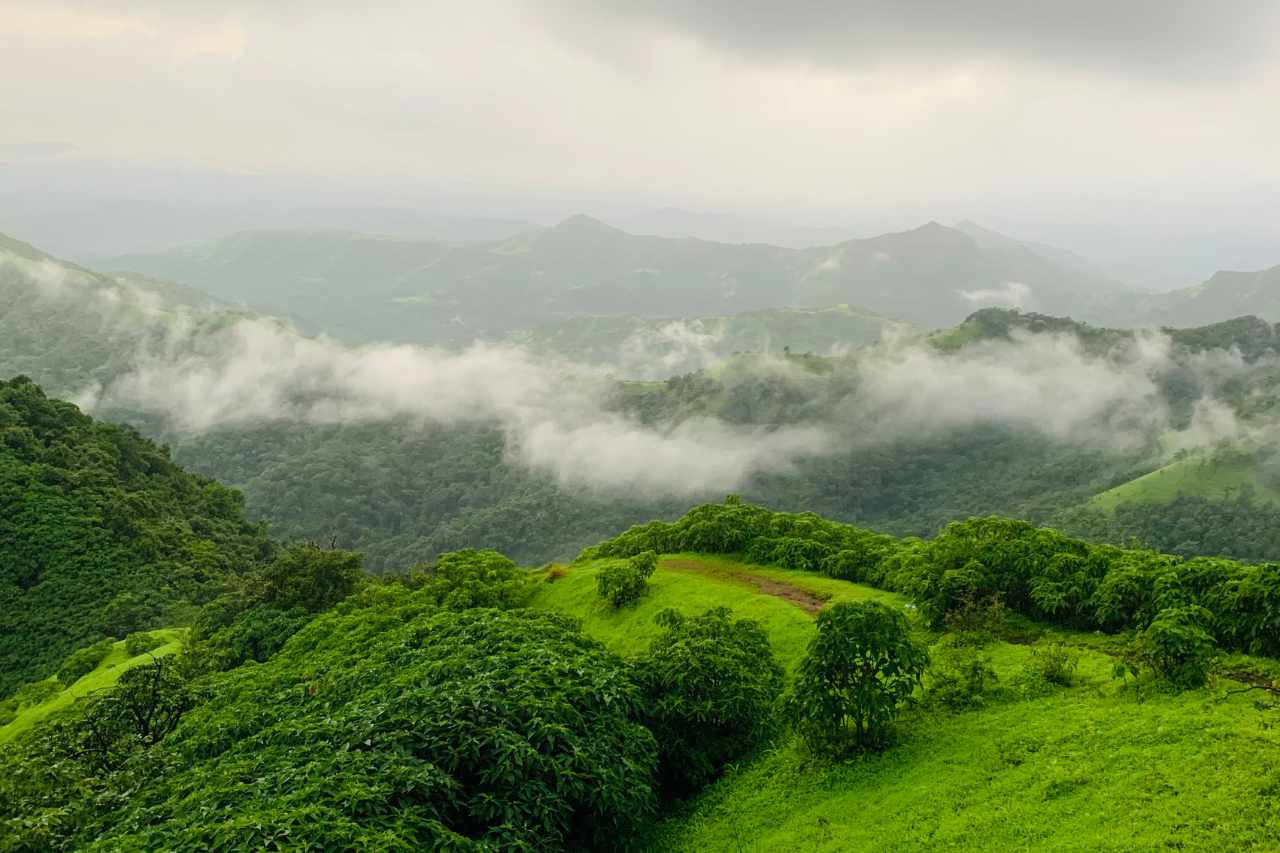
1085, 768
1208, 475
782, 602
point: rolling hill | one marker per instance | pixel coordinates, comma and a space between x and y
361, 288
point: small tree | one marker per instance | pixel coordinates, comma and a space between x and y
623, 582
859, 668
710, 683
1177, 645
311, 577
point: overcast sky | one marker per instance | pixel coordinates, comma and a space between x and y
1057, 114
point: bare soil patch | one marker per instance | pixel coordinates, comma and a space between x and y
807, 601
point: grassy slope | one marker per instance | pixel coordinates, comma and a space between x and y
106, 674
1086, 768
630, 630
1195, 476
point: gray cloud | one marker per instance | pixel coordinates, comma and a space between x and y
1149, 37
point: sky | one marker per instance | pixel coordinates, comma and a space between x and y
1124, 130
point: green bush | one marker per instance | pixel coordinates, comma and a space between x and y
860, 667
373, 729
475, 578
83, 661
141, 642
310, 577
1054, 663
959, 678
623, 582
1177, 645
711, 684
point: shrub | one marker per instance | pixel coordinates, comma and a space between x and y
623, 582
1177, 645
860, 667
1055, 663
959, 678
710, 684
141, 642
143, 708
477, 578
976, 622
453, 730
310, 577
83, 661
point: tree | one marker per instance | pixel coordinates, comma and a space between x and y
622, 582
860, 667
710, 683
311, 577
475, 578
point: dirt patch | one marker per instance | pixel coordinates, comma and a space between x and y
809, 602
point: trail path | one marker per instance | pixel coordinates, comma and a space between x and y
804, 599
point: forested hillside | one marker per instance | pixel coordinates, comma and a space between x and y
917, 431
101, 534
362, 288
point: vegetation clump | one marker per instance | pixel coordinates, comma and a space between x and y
711, 684
862, 665
623, 582
83, 661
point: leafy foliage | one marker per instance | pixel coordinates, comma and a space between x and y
388, 724
81, 662
861, 666
972, 570
710, 683
624, 581
1178, 645
474, 578
101, 534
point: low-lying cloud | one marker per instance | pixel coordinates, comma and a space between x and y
202, 370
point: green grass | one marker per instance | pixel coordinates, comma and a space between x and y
1196, 476
630, 630
1086, 768
115, 664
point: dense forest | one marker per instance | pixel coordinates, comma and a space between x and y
101, 534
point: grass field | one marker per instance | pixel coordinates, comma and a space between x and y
1197, 476
1082, 768
1087, 768
693, 585
106, 674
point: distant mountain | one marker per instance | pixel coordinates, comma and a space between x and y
68, 326
360, 288
1226, 294
729, 228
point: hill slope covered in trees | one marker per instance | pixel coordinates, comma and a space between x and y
101, 534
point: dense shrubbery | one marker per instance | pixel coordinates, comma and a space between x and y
389, 723
81, 662
141, 642
624, 581
101, 534
1035, 571
710, 684
473, 578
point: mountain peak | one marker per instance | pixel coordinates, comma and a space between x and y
580, 223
